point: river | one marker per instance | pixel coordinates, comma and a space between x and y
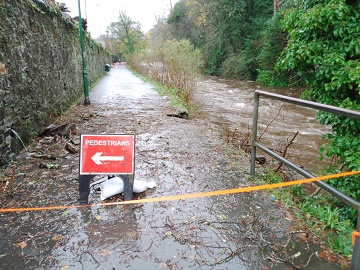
229, 103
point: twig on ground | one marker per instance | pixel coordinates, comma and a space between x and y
6, 185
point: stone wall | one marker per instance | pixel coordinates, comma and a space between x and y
40, 67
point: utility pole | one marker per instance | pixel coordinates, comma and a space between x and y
85, 78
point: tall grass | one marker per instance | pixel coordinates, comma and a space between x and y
175, 64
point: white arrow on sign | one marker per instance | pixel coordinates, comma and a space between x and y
97, 158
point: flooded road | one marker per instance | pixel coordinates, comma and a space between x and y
242, 231
229, 103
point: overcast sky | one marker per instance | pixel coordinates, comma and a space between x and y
100, 13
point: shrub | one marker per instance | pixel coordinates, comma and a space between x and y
235, 67
175, 64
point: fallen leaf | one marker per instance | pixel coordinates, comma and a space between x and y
327, 256
21, 244
133, 234
303, 236
56, 237
331, 258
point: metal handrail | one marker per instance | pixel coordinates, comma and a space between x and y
355, 262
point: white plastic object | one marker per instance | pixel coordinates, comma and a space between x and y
98, 181
141, 185
111, 187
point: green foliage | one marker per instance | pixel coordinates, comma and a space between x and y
274, 41
325, 217
226, 31
128, 32
272, 78
268, 177
341, 242
235, 67
177, 13
182, 21
225, 34
271, 178
324, 49
176, 100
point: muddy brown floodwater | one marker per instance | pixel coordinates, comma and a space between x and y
229, 102
237, 231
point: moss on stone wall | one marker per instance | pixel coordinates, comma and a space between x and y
40, 50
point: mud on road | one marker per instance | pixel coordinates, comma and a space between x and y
239, 231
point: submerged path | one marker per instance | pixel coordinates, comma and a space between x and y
238, 231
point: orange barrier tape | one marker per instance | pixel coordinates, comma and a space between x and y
189, 196
354, 235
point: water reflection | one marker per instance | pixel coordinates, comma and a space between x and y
115, 89
99, 236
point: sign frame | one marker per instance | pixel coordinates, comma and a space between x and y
115, 157
107, 154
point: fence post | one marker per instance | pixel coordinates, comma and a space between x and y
355, 260
254, 133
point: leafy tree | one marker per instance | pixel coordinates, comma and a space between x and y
274, 40
128, 32
233, 41
258, 13
182, 20
324, 49
227, 31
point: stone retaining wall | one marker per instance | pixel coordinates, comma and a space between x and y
40, 68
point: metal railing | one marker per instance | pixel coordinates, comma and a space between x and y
355, 262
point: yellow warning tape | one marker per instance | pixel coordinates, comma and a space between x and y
188, 196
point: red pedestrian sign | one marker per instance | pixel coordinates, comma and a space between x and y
107, 154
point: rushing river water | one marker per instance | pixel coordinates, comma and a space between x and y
229, 104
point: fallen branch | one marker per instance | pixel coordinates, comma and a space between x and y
283, 153
268, 125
